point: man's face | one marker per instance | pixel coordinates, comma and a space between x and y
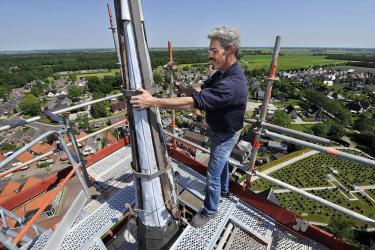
218, 55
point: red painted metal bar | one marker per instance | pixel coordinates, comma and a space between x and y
16, 199
263, 111
43, 207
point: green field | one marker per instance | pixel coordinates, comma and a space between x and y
306, 128
110, 72
286, 61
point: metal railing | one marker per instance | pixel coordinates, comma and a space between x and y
76, 163
74, 158
290, 187
265, 125
40, 157
75, 107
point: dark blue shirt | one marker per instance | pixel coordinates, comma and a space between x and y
224, 98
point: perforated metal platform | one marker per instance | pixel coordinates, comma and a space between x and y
230, 210
113, 174
241, 240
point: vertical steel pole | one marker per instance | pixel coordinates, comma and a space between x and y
79, 159
263, 113
171, 84
113, 29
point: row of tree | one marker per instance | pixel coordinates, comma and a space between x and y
358, 60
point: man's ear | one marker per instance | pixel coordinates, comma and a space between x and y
232, 50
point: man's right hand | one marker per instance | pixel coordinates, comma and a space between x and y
144, 100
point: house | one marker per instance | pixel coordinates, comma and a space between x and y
259, 94
59, 102
357, 107
190, 149
244, 146
30, 135
275, 146
16, 138
50, 95
199, 139
24, 157
328, 82
41, 148
239, 155
314, 111
200, 129
31, 206
166, 121
28, 86
291, 111
334, 96
370, 88
116, 119
117, 107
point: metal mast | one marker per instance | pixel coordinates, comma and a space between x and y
154, 180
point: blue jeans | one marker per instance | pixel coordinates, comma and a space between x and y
218, 171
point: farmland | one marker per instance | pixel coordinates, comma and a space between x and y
287, 61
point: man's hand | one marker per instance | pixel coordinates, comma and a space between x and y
144, 100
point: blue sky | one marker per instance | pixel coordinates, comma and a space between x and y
61, 24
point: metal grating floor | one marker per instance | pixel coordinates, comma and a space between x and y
230, 209
241, 240
113, 175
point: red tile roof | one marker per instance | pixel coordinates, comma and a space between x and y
31, 181
9, 188
41, 148
24, 157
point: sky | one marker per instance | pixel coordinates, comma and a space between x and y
69, 24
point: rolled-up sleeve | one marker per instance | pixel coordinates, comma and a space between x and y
212, 98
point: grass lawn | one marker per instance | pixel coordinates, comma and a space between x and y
283, 159
302, 127
287, 61
110, 72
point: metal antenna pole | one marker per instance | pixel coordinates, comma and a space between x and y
171, 83
154, 181
113, 29
263, 113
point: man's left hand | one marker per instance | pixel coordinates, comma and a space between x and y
144, 100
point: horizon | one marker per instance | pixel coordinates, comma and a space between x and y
191, 47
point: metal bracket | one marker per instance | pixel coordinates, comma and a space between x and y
153, 175
131, 92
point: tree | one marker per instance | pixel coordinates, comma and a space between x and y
83, 122
341, 227
30, 105
329, 129
74, 92
37, 90
336, 130
4, 91
99, 110
321, 129
280, 118
249, 114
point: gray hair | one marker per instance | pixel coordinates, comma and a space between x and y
226, 35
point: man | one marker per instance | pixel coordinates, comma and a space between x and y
224, 98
